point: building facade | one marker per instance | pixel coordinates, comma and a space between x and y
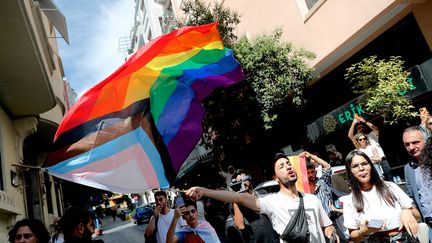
153, 18
341, 33
33, 100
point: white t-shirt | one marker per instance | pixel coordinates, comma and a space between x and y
279, 208
164, 223
373, 138
376, 208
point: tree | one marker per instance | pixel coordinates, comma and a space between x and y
383, 84
197, 13
276, 71
276, 75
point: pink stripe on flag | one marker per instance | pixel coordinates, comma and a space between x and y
133, 160
299, 164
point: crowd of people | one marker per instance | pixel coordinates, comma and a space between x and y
377, 209
75, 226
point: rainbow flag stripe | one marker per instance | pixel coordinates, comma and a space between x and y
133, 130
299, 164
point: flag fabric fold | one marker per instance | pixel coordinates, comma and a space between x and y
133, 130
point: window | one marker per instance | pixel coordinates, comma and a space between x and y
309, 7
149, 35
48, 184
310, 3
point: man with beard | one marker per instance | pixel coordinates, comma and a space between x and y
281, 206
320, 187
78, 226
194, 230
162, 216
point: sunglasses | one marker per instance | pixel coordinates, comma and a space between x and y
362, 139
25, 235
192, 211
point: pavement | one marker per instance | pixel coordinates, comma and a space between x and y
121, 231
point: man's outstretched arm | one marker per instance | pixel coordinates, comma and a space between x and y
244, 199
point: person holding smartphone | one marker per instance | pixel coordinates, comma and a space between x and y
159, 223
194, 230
376, 209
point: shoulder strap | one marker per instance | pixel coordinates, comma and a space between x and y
298, 221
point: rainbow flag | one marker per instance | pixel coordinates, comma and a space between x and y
133, 130
299, 164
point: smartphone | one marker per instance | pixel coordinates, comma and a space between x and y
375, 223
179, 202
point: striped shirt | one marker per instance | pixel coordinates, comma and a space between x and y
324, 189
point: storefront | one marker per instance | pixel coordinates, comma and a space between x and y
332, 103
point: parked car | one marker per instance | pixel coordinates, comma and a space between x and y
142, 214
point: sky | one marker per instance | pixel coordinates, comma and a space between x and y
94, 28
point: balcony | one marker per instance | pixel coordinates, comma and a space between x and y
7, 203
27, 61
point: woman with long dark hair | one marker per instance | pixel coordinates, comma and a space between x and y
374, 205
29, 231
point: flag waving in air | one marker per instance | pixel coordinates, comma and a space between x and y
133, 130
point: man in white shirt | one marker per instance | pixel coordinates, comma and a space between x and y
279, 207
227, 175
163, 215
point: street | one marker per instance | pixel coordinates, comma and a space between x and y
121, 231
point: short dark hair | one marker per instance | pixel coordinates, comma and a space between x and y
160, 193
190, 203
239, 172
72, 218
310, 165
278, 156
36, 226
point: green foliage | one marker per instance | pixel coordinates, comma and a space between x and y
382, 82
275, 77
198, 13
276, 71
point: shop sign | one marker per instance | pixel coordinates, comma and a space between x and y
342, 117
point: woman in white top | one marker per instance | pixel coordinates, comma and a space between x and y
375, 205
370, 148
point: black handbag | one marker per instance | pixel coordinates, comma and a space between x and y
152, 238
297, 228
404, 237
